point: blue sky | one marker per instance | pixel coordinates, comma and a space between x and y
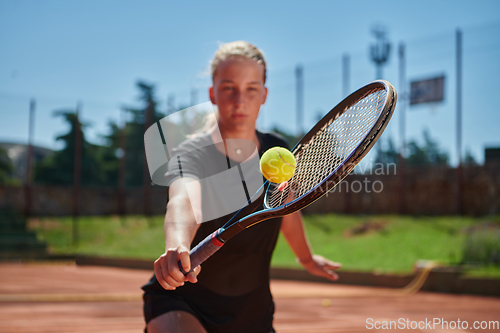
62, 52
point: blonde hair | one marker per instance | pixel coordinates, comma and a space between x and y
237, 48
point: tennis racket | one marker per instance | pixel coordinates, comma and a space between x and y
325, 156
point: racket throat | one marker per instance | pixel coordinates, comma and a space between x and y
224, 234
247, 222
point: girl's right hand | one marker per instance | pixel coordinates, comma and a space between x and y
167, 269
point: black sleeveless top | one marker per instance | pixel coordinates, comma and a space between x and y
232, 293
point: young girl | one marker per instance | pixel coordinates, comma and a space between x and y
231, 293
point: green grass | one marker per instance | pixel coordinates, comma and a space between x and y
394, 247
490, 272
128, 237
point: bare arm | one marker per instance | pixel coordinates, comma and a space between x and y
180, 227
293, 230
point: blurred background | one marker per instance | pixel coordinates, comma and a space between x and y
80, 82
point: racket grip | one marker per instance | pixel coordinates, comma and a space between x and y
203, 251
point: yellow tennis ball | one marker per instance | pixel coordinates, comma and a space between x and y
326, 302
277, 165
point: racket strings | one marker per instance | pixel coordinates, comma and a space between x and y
330, 147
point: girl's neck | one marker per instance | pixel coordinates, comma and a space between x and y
237, 145
250, 134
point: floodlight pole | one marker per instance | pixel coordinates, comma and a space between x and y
402, 127
299, 79
146, 179
29, 161
345, 74
77, 174
380, 51
122, 164
170, 104
194, 96
345, 92
459, 179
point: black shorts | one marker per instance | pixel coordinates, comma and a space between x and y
250, 313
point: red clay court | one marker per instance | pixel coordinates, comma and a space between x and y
45, 297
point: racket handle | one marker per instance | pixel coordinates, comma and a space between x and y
203, 251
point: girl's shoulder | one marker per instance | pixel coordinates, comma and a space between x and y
271, 139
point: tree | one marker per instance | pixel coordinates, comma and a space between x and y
429, 154
134, 133
469, 159
109, 154
386, 156
58, 168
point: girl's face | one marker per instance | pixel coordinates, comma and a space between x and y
238, 91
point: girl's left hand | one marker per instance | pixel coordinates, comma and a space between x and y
320, 266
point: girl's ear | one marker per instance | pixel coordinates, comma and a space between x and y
264, 95
212, 95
